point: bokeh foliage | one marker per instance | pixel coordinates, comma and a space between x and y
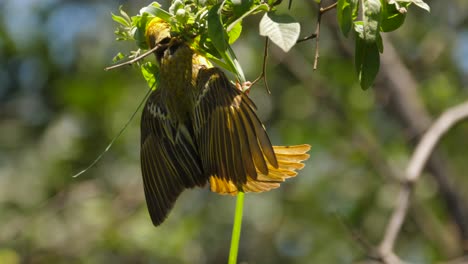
59, 109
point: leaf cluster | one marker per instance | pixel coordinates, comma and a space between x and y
209, 27
368, 18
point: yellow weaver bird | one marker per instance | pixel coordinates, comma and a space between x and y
198, 127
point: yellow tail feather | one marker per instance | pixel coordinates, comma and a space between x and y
289, 160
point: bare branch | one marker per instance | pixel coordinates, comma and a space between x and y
316, 34
397, 89
306, 38
130, 62
323, 10
263, 74
430, 139
417, 163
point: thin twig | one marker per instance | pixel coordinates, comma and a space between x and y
322, 10
328, 8
306, 38
263, 74
316, 34
417, 163
317, 39
130, 62
317, 30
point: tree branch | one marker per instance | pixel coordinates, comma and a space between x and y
263, 74
316, 34
417, 163
397, 82
396, 88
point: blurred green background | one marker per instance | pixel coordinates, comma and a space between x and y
59, 109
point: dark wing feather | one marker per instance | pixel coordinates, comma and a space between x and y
232, 141
169, 160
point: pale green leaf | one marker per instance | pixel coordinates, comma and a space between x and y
155, 9
422, 5
371, 19
120, 20
235, 32
150, 72
282, 30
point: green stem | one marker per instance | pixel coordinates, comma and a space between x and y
236, 229
231, 26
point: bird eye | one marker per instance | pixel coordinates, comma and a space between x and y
164, 41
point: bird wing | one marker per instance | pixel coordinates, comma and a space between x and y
169, 159
232, 142
290, 159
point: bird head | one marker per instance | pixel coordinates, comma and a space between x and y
157, 32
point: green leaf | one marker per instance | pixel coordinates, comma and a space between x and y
219, 39
150, 72
345, 10
392, 17
124, 14
118, 57
257, 8
355, 10
154, 9
240, 7
236, 65
176, 5
422, 5
371, 19
379, 43
283, 30
120, 20
140, 23
216, 30
235, 33
367, 62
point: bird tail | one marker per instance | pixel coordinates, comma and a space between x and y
289, 158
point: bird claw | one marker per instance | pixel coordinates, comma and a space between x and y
244, 87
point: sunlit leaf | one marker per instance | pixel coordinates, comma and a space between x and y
118, 57
422, 5
235, 33
120, 20
282, 30
155, 9
124, 14
150, 72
